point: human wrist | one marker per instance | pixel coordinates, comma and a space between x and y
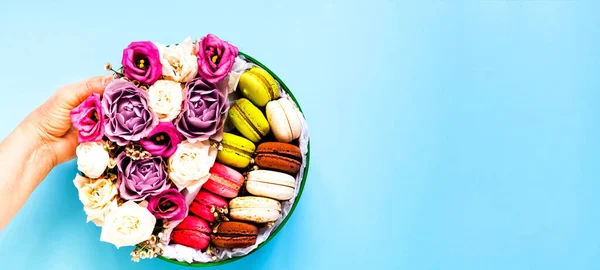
28, 139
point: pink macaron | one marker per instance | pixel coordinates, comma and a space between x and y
204, 201
224, 181
192, 232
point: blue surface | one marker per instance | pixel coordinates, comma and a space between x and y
445, 135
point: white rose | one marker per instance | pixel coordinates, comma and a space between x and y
165, 99
190, 165
128, 225
92, 159
97, 196
179, 62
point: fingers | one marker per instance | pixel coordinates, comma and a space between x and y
64, 150
97, 84
72, 95
53, 117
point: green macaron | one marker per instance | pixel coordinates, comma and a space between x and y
236, 151
249, 120
258, 86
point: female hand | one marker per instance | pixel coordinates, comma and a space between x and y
43, 140
51, 122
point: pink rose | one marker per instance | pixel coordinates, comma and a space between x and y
141, 62
215, 58
88, 119
162, 140
170, 205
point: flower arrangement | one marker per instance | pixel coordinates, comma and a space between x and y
194, 153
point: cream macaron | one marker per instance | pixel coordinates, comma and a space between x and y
254, 209
284, 119
271, 184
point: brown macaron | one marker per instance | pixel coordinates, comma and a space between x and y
233, 234
279, 156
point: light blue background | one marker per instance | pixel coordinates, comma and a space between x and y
445, 134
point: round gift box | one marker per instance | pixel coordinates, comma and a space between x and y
287, 90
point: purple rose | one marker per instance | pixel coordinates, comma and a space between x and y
141, 178
203, 110
141, 62
168, 205
215, 58
88, 119
128, 115
162, 140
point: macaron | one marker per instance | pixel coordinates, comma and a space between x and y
258, 86
271, 184
192, 232
236, 151
204, 201
248, 120
285, 120
279, 156
254, 209
224, 181
233, 234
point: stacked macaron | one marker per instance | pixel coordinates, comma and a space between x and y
256, 169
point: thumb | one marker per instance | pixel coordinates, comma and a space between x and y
72, 95
53, 117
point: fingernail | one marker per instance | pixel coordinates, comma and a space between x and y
106, 80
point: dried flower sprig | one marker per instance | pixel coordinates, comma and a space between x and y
108, 67
253, 166
136, 151
111, 147
212, 251
110, 175
113, 150
216, 144
112, 163
151, 248
136, 83
121, 75
220, 214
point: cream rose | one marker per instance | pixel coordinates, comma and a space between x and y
128, 225
165, 99
92, 158
179, 62
189, 166
97, 196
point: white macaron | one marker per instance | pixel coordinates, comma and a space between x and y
271, 184
254, 209
285, 120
